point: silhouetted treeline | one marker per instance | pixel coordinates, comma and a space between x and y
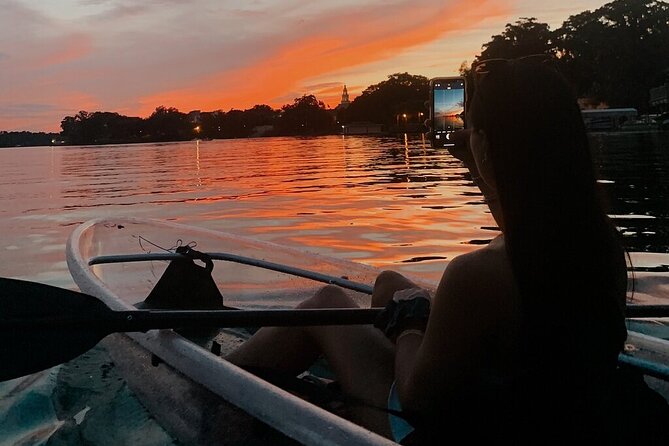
614, 54
164, 124
27, 139
306, 116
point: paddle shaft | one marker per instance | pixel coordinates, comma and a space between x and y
62, 324
144, 320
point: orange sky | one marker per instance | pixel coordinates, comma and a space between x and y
327, 50
59, 57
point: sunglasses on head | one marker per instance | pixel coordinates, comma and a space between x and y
483, 67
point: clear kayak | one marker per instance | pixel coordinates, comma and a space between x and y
111, 260
121, 261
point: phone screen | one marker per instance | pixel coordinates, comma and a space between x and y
448, 109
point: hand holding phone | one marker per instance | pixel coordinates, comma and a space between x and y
460, 148
447, 110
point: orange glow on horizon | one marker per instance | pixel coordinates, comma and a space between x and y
265, 81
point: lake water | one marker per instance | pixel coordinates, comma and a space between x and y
388, 202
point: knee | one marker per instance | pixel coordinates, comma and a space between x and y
385, 286
388, 277
329, 296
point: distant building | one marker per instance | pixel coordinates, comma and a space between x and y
659, 97
608, 119
345, 102
343, 105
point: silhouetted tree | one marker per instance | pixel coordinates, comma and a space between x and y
305, 116
169, 124
386, 102
70, 130
617, 52
211, 124
523, 38
100, 128
235, 125
261, 115
465, 69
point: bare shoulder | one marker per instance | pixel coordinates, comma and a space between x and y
473, 314
483, 277
473, 323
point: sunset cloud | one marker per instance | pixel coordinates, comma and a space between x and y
327, 44
61, 56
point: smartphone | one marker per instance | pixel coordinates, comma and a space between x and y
447, 110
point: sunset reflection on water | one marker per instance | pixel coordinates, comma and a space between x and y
387, 202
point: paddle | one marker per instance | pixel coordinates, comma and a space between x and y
43, 326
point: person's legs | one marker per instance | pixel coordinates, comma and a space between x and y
360, 356
300, 350
288, 349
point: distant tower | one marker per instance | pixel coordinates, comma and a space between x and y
344, 99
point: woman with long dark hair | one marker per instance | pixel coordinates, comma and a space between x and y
529, 150
520, 336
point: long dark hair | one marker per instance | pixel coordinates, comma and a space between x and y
564, 251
